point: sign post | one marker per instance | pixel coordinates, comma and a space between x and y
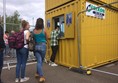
4, 13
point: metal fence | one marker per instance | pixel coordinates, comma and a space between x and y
12, 26
10, 59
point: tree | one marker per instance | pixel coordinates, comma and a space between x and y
13, 22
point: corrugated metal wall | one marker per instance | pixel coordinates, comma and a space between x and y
108, 1
54, 3
99, 39
68, 47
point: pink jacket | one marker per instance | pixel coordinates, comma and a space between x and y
6, 39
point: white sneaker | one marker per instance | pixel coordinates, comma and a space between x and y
54, 65
16, 80
50, 62
45, 60
24, 79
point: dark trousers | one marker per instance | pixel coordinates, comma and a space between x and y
1, 63
54, 52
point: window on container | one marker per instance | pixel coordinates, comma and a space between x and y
59, 21
48, 23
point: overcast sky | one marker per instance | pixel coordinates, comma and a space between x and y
28, 9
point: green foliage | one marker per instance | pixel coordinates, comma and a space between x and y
13, 22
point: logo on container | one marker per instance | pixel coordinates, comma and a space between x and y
95, 11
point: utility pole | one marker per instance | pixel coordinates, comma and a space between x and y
33, 21
4, 13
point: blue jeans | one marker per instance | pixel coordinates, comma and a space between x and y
13, 52
40, 52
6, 50
22, 56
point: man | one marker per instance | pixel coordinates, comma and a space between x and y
54, 45
2, 46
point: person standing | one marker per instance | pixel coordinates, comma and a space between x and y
12, 50
2, 46
22, 55
7, 50
40, 37
54, 45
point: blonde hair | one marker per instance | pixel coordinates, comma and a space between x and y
24, 24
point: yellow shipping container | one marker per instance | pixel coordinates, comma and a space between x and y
50, 5
93, 42
108, 1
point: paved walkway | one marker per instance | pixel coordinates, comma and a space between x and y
63, 75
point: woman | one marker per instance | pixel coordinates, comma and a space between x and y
22, 55
41, 38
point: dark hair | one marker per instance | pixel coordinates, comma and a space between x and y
39, 24
57, 27
24, 24
6, 32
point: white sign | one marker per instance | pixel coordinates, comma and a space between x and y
95, 12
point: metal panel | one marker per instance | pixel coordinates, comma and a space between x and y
68, 48
108, 1
99, 39
54, 3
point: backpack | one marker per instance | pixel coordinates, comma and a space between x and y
31, 44
16, 41
20, 40
12, 40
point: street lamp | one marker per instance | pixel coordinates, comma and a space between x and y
4, 13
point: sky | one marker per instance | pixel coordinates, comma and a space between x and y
28, 9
